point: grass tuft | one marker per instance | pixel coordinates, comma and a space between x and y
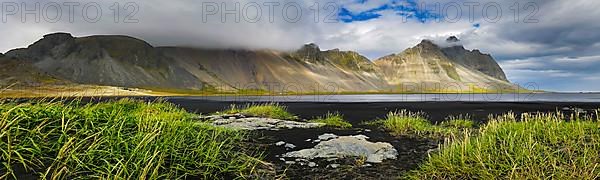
541, 146
408, 123
269, 110
458, 122
333, 120
123, 139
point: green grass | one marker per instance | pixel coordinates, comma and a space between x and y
404, 123
269, 110
123, 139
458, 122
537, 147
333, 120
408, 123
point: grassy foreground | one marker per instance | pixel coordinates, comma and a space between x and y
123, 139
541, 146
537, 147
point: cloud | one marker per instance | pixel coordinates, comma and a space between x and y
558, 73
564, 29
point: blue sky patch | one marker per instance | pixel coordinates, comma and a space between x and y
407, 8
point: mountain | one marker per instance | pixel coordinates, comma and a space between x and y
306, 70
129, 62
474, 59
426, 67
105, 60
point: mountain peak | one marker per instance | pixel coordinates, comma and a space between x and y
58, 35
311, 47
452, 39
310, 52
427, 44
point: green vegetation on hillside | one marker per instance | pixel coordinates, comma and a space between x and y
542, 146
123, 139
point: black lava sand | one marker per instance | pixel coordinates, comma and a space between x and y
412, 151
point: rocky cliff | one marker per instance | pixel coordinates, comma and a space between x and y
473, 59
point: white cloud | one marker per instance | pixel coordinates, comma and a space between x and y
565, 29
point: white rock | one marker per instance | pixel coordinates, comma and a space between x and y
348, 146
334, 166
290, 146
280, 143
254, 123
327, 136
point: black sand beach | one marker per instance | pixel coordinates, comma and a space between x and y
436, 111
412, 151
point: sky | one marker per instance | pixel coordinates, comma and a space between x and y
553, 44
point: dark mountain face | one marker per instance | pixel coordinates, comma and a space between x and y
20, 73
130, 62
105, 60
474, 59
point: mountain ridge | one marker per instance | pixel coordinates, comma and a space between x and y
125, 61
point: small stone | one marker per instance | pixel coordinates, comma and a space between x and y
290, 146
312, 164
334, 166
316, 141
290, 162
367, 130
282, 159
280, 143
232, 118
367, 165
327, 136
308, 140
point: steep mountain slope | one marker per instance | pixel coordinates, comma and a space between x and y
106, 60
425, 68
19, 73
474, 59
129, 62
307, 70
